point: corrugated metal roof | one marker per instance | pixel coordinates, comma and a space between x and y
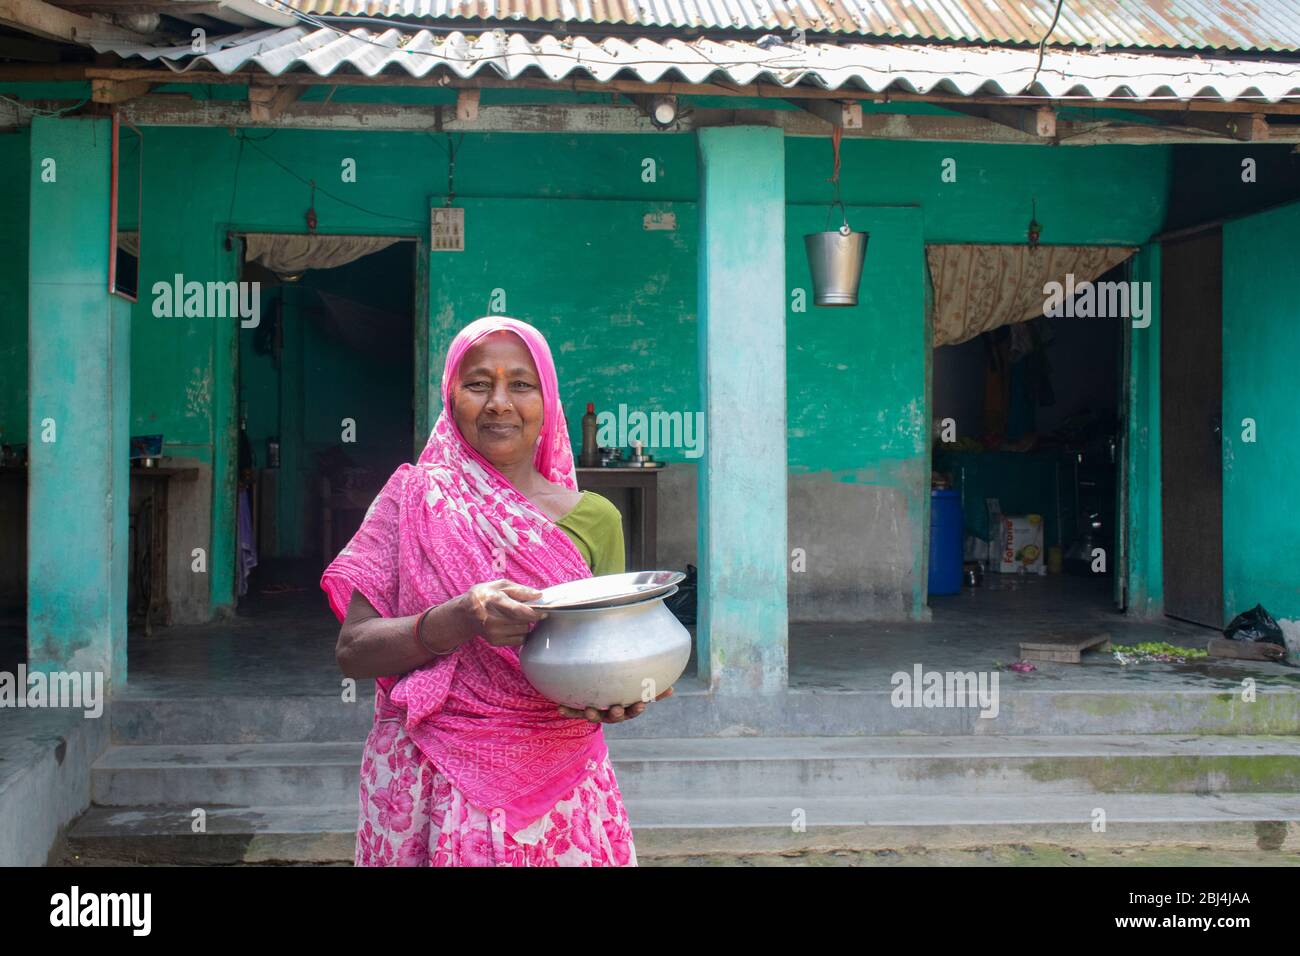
868, 66
1262, 25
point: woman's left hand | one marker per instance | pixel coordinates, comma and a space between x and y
614, 714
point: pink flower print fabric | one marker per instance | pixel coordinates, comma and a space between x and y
412, 815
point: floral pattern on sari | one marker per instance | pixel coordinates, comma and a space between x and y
411, 815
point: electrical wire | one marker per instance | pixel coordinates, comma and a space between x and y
451, 149
307, 182
234, 187
1042, 44
38, 111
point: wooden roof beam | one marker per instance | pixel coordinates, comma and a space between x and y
118, 91
842, 114
660, 108
1037, 121
467, 105
1247, 127
268, 101
52, 23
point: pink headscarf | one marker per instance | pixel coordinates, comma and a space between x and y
439, 527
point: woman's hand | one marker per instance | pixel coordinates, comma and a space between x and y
614, 714
494, 610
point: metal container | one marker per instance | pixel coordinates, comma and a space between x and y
835, 260
606, 590
599, 657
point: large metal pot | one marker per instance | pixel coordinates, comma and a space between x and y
599, 657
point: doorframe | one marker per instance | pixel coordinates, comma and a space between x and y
225, 410
1128, 441
1142, 566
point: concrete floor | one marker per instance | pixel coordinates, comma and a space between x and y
284, 644
982, 627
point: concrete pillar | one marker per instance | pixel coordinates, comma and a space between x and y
78, 412
743, 619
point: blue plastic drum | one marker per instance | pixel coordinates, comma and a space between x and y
946, 534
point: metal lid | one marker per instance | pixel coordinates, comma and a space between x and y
608, 590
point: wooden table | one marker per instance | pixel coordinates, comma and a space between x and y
644, 485
335, 503
149, 551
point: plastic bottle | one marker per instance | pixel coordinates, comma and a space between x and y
589, 457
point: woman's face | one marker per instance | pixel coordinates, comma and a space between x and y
497, 404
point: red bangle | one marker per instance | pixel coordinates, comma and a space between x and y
419, 626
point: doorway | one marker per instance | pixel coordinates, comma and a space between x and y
326, 390
1026, 463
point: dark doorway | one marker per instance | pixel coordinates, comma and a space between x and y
326, 386
1032, 416
1191, 409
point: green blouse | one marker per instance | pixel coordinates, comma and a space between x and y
596, 527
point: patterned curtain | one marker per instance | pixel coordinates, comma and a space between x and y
980, 287
284, 253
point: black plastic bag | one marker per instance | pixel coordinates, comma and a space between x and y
682, 603
1255, 625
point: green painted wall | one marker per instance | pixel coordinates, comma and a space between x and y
858, 378
78, 477
857, 401
584, 278
1261, 352
1103, 195
15, 156
615, 300
743, 501
556, 223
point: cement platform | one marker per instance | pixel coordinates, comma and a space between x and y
272, 672
245, 717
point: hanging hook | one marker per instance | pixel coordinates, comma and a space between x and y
837, 134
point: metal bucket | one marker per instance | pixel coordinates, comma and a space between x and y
835, 259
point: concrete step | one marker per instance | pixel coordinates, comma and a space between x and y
243, 720
267, 834
677, 827
681, 827
231, 775
870, 766
325, 774
693, 712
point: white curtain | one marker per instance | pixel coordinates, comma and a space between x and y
980, 287
285, 253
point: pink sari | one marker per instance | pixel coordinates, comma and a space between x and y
466, 738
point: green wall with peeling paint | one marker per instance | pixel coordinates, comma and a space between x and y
78, 474
556, 233
1261, 352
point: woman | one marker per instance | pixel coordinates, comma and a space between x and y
466, 763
